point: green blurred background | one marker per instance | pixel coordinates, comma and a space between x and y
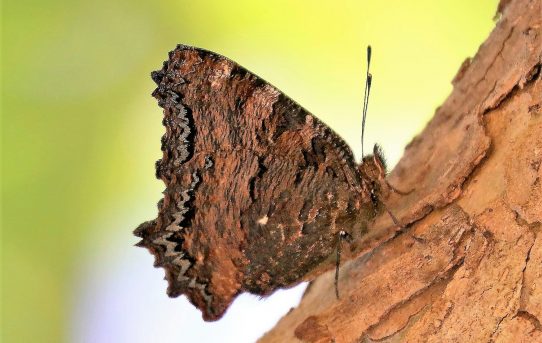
80, 131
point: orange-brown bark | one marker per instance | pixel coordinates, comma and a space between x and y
468, 265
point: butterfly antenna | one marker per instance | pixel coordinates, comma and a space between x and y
368, 80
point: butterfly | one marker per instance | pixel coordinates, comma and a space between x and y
259, 192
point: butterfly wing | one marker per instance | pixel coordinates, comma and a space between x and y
256, 187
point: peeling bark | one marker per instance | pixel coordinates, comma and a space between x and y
468, 265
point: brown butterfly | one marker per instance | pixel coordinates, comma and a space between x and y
259, 192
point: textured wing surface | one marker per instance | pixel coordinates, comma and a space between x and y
256, 187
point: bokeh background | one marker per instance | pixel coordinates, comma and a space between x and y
80, 134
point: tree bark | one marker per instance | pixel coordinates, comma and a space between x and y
467, 266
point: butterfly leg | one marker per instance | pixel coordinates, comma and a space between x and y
398, 224
393, 217
343, 236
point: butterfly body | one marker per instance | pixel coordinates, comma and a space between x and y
257, 188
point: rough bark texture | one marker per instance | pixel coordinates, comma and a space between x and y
468, 266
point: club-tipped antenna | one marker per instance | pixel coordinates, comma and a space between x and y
368, 80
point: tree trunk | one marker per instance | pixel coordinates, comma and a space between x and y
467, 267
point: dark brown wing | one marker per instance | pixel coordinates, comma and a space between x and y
257, 188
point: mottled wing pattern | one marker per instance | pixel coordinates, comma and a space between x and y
256, 187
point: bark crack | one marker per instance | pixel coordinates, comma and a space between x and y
531, 318
492, 63
400, 329
497, 327
457, 260
531, 77
515, 295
